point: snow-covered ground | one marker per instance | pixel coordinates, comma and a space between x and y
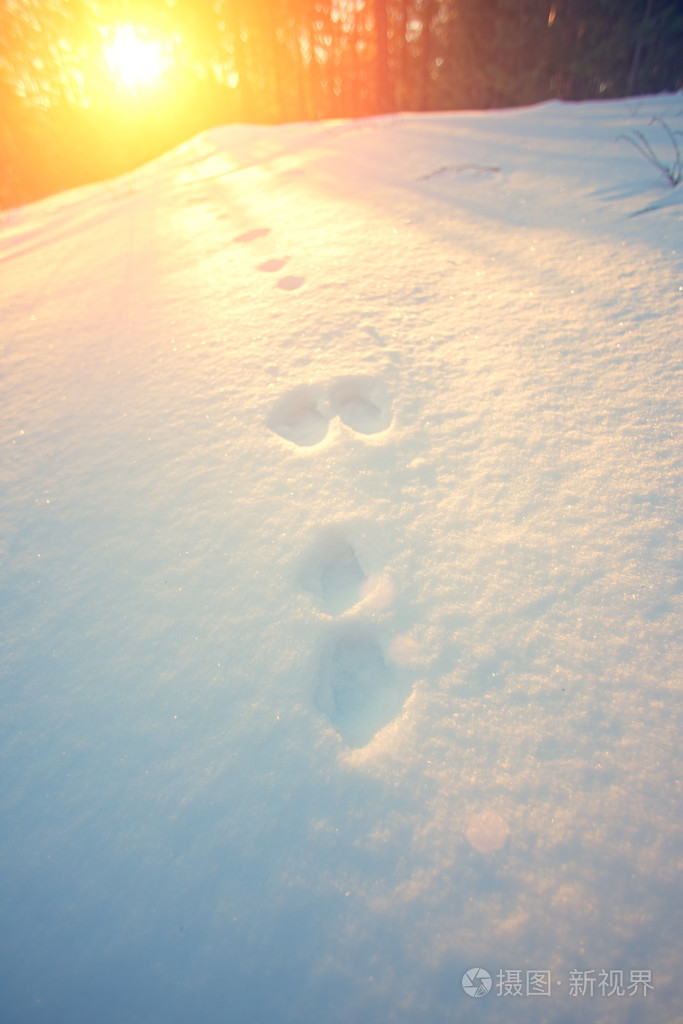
341, 578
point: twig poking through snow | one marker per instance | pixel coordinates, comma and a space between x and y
671, 172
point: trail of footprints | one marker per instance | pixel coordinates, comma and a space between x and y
288, 283
358, 690
355, 687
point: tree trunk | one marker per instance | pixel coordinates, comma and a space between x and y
426, 56
638, 51
381, 33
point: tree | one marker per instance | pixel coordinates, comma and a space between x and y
382, 51
64, 121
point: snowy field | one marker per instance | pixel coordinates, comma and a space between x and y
341, 578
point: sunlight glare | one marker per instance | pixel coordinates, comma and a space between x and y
136, 62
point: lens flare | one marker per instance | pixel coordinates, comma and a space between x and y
135, 62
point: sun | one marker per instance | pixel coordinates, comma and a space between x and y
134, 61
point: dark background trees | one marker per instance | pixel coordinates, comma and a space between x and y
64, 119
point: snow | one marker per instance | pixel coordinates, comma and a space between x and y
341, 576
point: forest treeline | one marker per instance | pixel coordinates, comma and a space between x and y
64, 121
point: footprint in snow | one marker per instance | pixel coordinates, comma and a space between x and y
270, 266
298, 416
291, 282
356, 689
332, 574
302, 415
251, 236
361, 403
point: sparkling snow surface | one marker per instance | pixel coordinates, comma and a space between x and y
341, 577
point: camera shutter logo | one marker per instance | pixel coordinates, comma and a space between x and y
476, 982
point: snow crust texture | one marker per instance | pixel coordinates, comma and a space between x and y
341, 578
